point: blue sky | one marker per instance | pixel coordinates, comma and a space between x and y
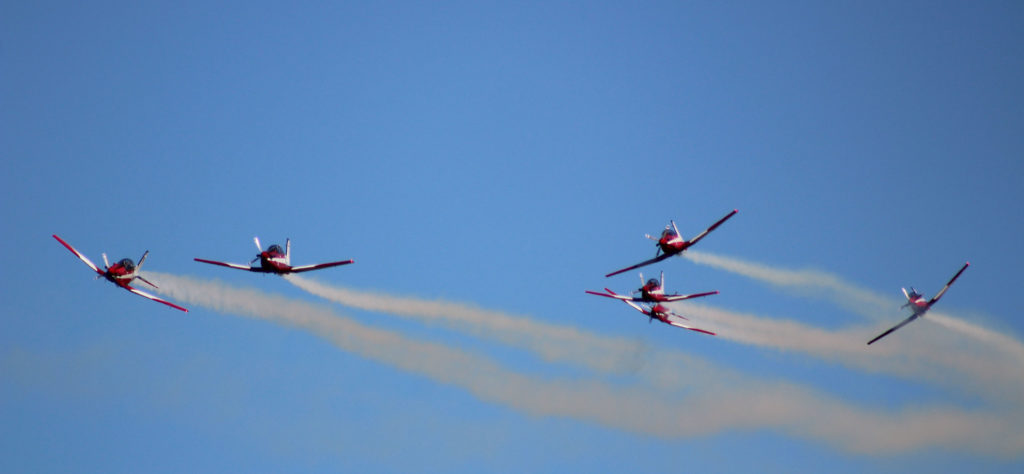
504, 156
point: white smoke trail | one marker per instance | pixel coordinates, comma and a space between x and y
550, 341
852, 297
708, 408
815, 283
937, 356
928, 355
994, 339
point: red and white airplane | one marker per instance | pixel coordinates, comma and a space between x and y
121, 273
918, 305
275, 260
653, 294
652, 291
671, 243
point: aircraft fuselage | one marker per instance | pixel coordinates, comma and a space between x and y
121, 273
274, 265
671, 244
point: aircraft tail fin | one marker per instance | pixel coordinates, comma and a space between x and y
907, 295
147, 282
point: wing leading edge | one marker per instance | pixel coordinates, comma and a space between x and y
686, 326
154, 298
306, 268
713, 227
904, 323
79, 255
671, 298
611, 294
229, 265
951, 280
641, 264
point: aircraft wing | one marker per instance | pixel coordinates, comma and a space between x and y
306, 268
229, 265
713, 226
637, 307
612, 294
674, 320
645, 262
943, 290
79, 255
904, 323
154, 298
671, 298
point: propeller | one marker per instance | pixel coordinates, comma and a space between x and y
258, 247
675, 228
106, 266
142, 259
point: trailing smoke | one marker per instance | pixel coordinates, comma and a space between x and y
705, 408
856, 299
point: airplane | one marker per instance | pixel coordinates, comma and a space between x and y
671, 243
918, 305
652, 291
275, 260
121, 273
657, 311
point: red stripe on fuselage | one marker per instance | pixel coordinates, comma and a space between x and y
273, 264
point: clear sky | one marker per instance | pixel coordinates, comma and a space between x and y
503, 157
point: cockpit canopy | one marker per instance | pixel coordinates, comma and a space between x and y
127, 264
653, 283
275, 249
668, 233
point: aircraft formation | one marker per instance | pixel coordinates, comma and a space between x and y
273, 260
651, 300
652, 293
